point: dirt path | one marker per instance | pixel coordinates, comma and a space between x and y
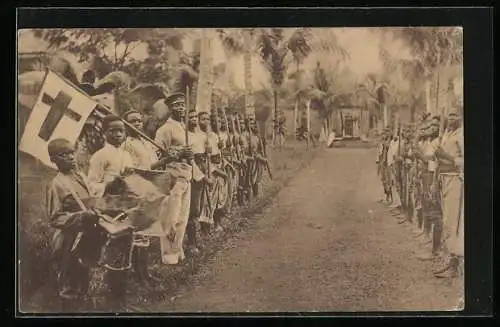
325, 244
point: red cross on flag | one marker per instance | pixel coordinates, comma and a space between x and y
60, 111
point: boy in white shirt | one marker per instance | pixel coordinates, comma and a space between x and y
110, 163
106, 169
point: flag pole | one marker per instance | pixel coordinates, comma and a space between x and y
110, 112
308, 122
186, 115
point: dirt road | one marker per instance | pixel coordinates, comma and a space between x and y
325, 244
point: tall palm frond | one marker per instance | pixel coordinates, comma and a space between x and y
298, 44
232, 40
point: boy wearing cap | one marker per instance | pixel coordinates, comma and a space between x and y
172, 137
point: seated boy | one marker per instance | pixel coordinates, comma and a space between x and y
69, 219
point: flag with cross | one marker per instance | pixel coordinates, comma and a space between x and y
60, 111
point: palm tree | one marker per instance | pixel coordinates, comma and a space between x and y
300, 50
273, 49
321, 97
433, 49
236, 42
247, 59
206, 74
326, 87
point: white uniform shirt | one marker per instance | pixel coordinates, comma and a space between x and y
453, 144
213, 140
105, 165
172, 133
142, 152
197, 141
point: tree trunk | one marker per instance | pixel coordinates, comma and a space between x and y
384, 108
322, 128
412, 112
441, 111
333, 121
247, 58
116, 105
308, 122
295, 118
205, 79
428, 105
342, 129
297, 102
328, 126
276, 134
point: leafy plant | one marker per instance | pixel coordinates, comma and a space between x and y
432, 48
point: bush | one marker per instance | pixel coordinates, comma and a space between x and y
34, 233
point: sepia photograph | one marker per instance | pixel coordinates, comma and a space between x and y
219, 170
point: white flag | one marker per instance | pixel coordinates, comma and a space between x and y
59, 112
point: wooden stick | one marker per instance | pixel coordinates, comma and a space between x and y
308, 122
186, 116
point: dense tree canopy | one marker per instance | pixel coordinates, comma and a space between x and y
165, 64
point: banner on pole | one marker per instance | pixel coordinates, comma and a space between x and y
60, 111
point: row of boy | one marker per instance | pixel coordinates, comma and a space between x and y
216, 159
422, 177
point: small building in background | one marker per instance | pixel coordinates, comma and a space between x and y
355, 114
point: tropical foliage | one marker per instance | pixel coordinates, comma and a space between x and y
432, 50
167, 65
110, 49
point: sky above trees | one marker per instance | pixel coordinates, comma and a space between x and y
362, 44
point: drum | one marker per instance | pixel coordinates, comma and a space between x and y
116, 252
89, 244
96, 242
